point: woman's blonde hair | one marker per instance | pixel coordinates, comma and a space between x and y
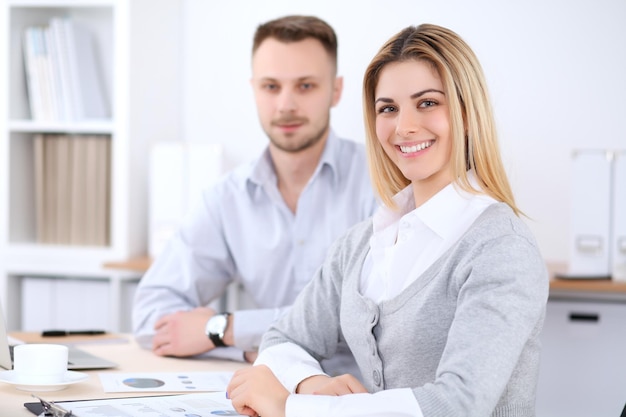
474, 137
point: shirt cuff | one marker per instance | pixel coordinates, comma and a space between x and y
391, 403
290, 364
229, 353
249, 326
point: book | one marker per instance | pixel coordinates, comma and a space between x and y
32, 55
57, 48
50, 192
44, 75
87, 92
40, 180
101, 185
78, 193
63, 188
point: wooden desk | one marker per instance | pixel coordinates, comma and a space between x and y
129, 356
139, 264
573, 286
597, 289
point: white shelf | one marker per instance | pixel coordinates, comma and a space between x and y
62, 3
57, 258
91, 127
137, 50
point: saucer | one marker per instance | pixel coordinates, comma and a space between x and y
70, 377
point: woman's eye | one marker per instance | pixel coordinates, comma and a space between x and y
427, 103
386, 109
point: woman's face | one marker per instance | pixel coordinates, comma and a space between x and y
413, 123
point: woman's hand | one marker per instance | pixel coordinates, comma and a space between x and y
325, 385
255, 391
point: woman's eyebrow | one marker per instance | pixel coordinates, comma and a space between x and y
413, 96
383, 99
429, 90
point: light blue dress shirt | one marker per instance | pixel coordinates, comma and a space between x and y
243, 231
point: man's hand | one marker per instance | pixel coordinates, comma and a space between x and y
325, 385
250, 356
255, 391
182, 333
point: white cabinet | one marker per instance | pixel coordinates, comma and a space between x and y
583, 365
75, 304
69, 304
137, 47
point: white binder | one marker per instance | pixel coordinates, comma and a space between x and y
618, 247
590, 210
179, 171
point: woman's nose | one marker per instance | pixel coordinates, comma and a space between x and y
407, 124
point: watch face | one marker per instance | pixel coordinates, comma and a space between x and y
217, 324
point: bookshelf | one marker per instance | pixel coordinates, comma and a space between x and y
136, 47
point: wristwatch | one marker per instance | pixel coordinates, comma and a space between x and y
215, 328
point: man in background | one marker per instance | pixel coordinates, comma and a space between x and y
266, 225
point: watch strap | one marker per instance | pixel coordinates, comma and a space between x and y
217, 340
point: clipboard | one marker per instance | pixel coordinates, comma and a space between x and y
206, 403
45, 408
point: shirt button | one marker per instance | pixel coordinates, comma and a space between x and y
376, 376
300, 242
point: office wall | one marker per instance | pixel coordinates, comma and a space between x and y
556, 71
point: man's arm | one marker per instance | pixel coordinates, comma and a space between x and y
194, 269
184, 333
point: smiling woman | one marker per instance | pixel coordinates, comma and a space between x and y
441, 296
413, 125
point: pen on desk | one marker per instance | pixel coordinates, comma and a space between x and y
56, 333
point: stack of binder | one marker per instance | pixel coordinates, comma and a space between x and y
62, 73
72, 189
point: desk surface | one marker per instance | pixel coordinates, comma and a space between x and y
129, 356
590, 289
138, 264
142, 263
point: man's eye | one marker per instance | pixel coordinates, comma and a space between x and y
270, 87
306, 86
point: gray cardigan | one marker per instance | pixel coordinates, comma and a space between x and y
464, 336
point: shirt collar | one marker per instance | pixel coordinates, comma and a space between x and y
262, 170
438, 213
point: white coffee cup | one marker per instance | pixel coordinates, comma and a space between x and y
35, 363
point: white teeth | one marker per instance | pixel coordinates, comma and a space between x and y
416, 148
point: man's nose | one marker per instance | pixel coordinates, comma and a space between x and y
287, 101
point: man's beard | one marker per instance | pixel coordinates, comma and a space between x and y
289, 144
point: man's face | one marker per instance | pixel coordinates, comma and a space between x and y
294, 87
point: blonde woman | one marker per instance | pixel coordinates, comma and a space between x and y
441, 295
